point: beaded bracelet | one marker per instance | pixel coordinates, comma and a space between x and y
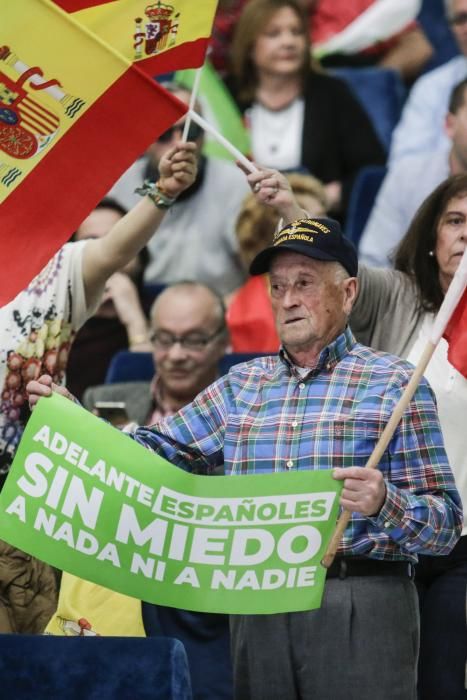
156, 193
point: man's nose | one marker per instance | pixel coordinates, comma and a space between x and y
290, 298
176, 351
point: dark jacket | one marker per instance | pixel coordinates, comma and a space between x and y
338, 136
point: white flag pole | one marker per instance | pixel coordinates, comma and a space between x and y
223, 141
193, 98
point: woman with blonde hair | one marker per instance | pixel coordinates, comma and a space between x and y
298, 116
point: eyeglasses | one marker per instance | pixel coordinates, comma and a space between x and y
194, 341
194, 132
459, 19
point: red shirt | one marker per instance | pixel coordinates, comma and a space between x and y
250, 320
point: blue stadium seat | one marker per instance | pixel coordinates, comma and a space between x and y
362, 198
382, 94
37, 667
127, 366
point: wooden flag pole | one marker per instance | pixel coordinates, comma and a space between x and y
381, 445
450, 301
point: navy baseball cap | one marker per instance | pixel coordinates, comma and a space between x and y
319, 238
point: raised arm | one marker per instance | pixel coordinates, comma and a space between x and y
104, 256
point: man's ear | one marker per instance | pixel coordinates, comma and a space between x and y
350, 286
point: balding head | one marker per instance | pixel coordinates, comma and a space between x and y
189, 336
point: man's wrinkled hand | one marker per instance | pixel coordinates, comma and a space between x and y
364, 490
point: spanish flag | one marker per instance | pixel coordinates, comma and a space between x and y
456, 335
77, 107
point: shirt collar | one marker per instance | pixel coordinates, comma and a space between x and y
329, 356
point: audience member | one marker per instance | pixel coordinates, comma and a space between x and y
335, 395
189, 336
197, 241
120, 322
406, 49
249, 314
298, 117
410, 180
421, 126
38, 327
394, 312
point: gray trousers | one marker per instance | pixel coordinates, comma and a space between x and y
362, 644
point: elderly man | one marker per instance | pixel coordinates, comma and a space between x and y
321, 402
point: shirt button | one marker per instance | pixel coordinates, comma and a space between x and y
387, 524
294, 424
301, 385
289, 464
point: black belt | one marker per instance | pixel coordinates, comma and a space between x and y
342, 567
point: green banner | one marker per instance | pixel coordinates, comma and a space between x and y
87, 499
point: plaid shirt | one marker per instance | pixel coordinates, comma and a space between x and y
264, 417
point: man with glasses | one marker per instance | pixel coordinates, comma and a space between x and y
197, 240
421, 126
189, 337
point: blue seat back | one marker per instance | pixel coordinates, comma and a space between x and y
381, 93
40, 667
362, 198
127, 366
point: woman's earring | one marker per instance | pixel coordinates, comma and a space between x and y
431, 253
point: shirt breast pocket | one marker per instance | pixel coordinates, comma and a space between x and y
346, 442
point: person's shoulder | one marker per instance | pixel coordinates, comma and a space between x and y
387, 277
454, 69
383, 363
418, 162
419, 173
262, 366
